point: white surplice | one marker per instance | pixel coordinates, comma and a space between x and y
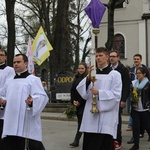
18, 121
5, 74
107, 100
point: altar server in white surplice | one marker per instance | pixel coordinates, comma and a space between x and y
100, 128
25, 99
6, 73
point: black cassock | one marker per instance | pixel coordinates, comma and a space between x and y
19, 143
96, 141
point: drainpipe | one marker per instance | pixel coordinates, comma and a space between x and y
146, 29
146, 17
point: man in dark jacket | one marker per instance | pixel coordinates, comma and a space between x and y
137, 60
117, 65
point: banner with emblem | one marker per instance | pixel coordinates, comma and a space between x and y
41, 47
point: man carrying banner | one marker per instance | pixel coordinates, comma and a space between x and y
100, 128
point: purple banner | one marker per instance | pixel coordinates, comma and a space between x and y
95, 11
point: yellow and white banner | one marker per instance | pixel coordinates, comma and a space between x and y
41, 47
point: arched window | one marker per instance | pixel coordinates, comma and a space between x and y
118, 44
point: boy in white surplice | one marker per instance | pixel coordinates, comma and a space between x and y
100, 128
25, 99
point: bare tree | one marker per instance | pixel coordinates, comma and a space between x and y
80, 28
59, 24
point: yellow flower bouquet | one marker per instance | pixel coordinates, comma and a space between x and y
135, 98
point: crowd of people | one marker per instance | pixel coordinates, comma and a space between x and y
22, 99
116, 86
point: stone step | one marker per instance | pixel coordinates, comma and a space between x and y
56, 107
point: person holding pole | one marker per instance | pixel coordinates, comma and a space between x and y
100, 127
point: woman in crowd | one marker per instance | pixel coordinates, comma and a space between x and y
77, 100
140, 104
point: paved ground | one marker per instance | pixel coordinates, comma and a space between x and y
59, 133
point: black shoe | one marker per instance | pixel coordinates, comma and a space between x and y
134, 147
131, 141
74, 144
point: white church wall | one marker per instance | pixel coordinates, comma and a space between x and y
129, 23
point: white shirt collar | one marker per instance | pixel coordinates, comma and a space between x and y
19, 73
114, 67
2, 64
101, 69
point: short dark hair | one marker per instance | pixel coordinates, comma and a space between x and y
115, 52
143, 70
2, 50
102, 49
138, 55
25, 58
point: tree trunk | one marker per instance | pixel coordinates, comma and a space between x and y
111, 7
78, 36
61, 55
10, 4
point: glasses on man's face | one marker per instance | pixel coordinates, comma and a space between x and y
139, 73
112, 56
2, 54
